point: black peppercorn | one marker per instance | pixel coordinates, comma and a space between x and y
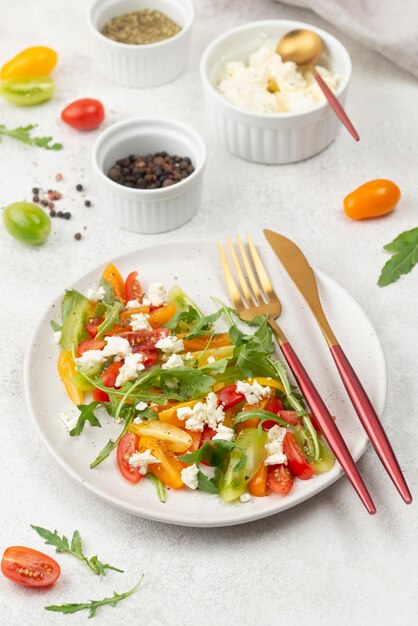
151, 171
77, 236
79, 187
87, 203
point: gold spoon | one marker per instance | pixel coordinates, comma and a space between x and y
304, 48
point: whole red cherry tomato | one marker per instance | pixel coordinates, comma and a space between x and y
84, 114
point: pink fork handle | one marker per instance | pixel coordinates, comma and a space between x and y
336, 106
370, 421
328, 427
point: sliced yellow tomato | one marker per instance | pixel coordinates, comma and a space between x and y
67, 370
162, 315
216, 353
268, 382
170, 415
200, 343
169, 468
112, 276
174, 438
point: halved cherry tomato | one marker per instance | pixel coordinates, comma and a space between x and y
162, 315
200, 343
35, 61
29, 567
258, 484
110, 374
143, 340
84, 114
373, 199
229, 396
133, 289
90, 344
93, 324
100, 396
67, 370
280, 479
297, 461
169, 469
112, 276
126, 447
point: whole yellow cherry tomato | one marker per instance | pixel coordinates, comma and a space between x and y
373, 199
36, 61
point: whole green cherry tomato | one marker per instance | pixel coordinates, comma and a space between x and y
27, 222
35, 61
28, 91
233, 482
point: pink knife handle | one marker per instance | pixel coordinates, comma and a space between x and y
336, 106
370, 421
328, 426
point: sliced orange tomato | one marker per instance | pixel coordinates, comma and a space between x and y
116, 330
252, 422
169, 468
200, 343
258, 484
67, 370
196, 439
170, 415
126, 315
162, 315
112, 276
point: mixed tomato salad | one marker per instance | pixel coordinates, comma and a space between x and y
198, 408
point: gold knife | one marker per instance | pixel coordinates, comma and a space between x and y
299, 270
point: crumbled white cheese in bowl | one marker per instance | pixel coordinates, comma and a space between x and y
267, 85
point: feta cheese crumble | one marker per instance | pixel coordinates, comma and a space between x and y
90, 359
268, 85
274, 446
130, 369
69, 422
133, 304
57, 336
139, 321
157, 295
225, 433
202, 414
245, 497
253, 392
116, 346
174, 360
96, 294
141, 406
211, 359
170, 344
141, 460
189, 476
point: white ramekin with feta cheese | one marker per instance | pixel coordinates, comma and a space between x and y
275, 127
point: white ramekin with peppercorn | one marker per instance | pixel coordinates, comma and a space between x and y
138, 45
149, 173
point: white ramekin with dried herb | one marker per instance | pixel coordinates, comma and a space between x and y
141, 44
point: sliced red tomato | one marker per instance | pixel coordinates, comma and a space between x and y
93, 324
280, 479
126, 447
90, 344
144, 340
133, 289
297, 461
207, 435
29, 567
110, 374
229, 396
274, 406
150, 356
100, 396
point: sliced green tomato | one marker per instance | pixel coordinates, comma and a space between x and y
326, 460
27, 222
28, 91
233, 482
174, 438
182, 302
75, 308
81, 383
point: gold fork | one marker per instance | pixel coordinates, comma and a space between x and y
255, 296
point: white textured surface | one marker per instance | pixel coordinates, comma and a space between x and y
326, 561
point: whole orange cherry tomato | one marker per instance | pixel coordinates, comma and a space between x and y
373, 199
36, 61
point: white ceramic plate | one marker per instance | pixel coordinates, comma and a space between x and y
194, 265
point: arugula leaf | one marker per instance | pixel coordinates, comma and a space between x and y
261, 415
404, 249
75, 549
214, 452
74, 312
55, 326
86, 415
187, 317
206, 484
159, 486
93, 605
109, 296
22, 133
204, 325
111, 316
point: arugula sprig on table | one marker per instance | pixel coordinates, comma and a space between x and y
404, 250
23, 134
93, 605
75, 548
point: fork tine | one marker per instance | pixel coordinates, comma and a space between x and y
258, 298
230, 281
241, 278
260, 269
